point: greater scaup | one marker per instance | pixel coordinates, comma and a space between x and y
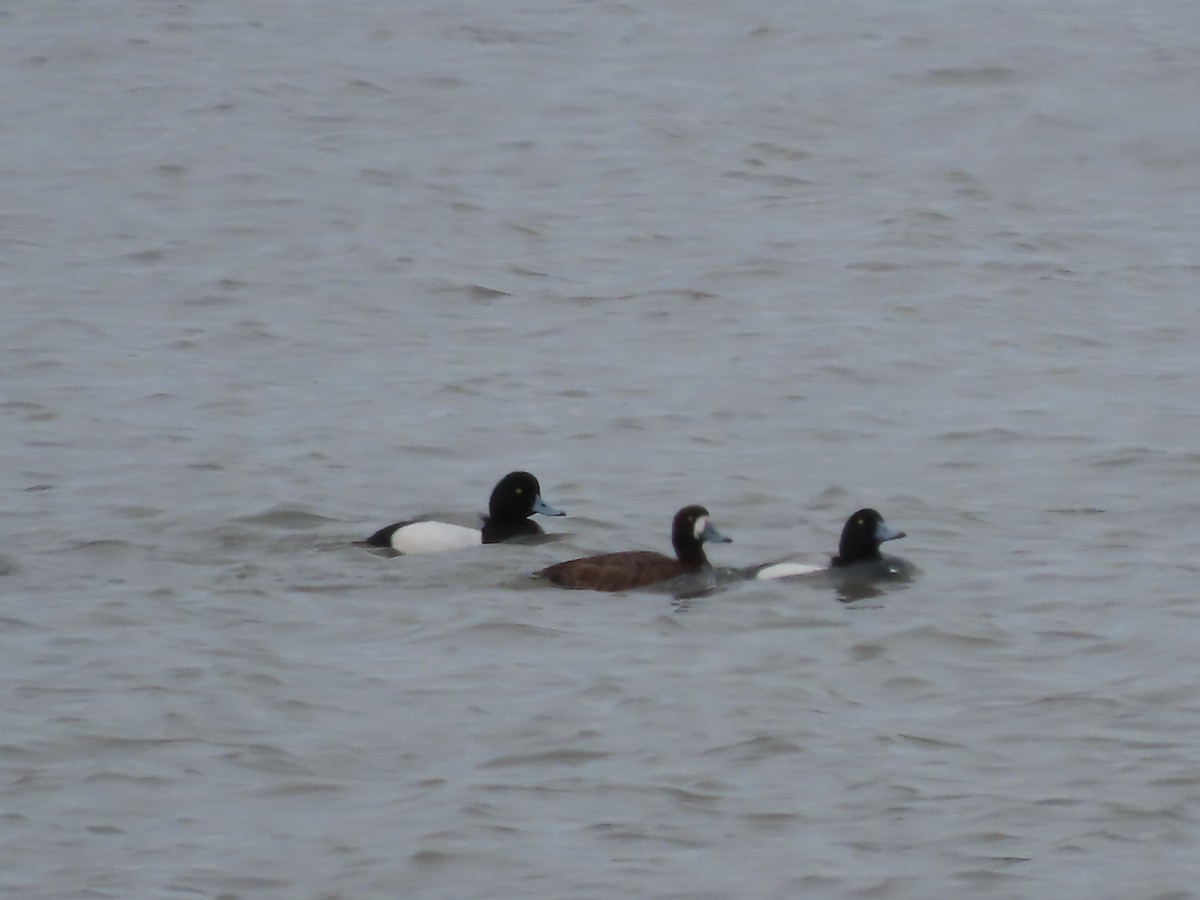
858, 552
640, 568
515, 498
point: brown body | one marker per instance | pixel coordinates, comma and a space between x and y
618, 571
641, 568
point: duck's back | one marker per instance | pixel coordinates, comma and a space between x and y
622, 571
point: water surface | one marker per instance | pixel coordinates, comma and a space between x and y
275, 276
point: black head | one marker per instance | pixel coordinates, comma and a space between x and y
863, 533
691, 528
518, 496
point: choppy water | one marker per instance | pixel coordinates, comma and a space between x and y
274, 275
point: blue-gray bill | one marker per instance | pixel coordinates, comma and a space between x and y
541, 506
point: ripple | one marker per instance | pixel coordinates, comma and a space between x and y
498, 628
286, 518
546, 758
980, 75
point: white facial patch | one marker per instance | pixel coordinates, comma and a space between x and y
700, 526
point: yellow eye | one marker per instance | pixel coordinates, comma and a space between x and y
520, 490
862, 521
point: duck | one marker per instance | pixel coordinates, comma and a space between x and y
858, 552
691, 528
515, 498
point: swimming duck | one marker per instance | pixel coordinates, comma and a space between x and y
858, 552
631, 569
516, 497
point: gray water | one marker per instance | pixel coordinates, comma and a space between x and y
276, 274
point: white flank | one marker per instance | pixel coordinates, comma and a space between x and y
786, 570
434, 537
